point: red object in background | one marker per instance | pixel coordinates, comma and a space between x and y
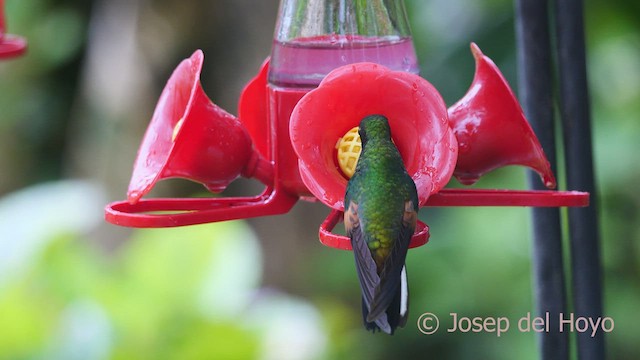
10, 45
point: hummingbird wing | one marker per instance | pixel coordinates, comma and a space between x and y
365, 266
393, 277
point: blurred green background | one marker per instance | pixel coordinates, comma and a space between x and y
73, 111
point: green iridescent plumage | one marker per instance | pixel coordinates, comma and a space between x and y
381, 206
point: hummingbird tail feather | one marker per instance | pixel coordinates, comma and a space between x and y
380, 324
404, 297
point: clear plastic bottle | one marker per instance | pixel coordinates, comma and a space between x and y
313, 37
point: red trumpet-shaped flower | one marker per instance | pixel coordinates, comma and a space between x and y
416, 113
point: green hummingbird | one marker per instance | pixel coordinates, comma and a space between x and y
381, 211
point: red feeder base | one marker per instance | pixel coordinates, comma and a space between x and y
419, 238
464, 197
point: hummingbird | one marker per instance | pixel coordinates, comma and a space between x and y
381, 211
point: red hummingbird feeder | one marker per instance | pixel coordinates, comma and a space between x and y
321, 80
10, 45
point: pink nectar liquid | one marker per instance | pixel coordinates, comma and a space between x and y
303, 63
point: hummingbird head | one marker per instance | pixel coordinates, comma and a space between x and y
374, 127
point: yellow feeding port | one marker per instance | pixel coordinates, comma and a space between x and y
349, 147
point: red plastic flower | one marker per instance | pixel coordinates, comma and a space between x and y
416, 113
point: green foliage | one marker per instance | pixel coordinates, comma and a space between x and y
148, 292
